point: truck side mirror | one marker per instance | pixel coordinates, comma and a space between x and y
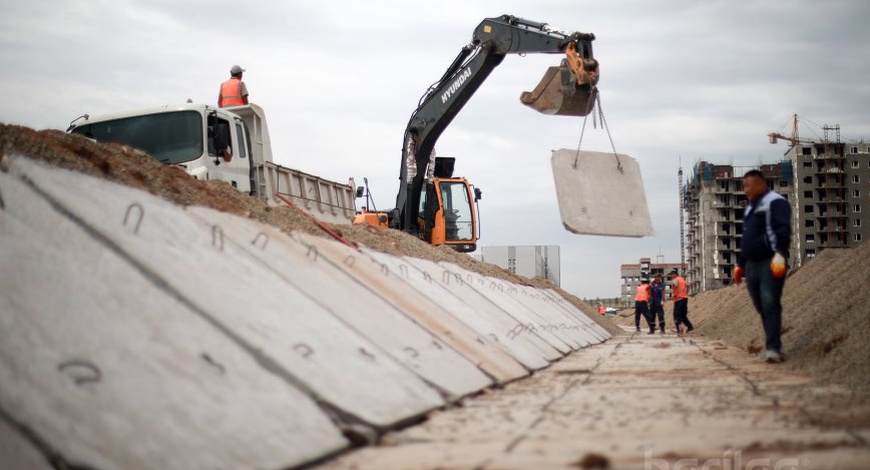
360, 191
478, 194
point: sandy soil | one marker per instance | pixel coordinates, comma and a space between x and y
132, 167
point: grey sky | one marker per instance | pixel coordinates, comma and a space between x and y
681, 81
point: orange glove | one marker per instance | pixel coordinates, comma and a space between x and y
777, 265
737, 276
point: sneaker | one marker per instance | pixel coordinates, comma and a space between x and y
638, 329
773, 357
651, 332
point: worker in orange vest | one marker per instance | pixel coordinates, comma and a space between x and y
681, 302
641, 306
233, 91
601, 309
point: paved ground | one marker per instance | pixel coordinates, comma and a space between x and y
637, 402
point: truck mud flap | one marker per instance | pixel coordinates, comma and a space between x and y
558, 94
600, 194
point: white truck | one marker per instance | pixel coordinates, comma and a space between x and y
228, 144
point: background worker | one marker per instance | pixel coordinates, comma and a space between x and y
233, 91
763, 255
681, 302
641, 306
656, 295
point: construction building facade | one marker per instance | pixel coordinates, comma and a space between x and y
832, 189
529, 261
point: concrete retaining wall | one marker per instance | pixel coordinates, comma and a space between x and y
137, 334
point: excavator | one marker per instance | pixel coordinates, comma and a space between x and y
433, 204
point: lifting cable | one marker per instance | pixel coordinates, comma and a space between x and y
595, 118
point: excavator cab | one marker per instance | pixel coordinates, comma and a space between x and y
569, 89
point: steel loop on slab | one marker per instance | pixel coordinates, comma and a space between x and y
75, 369
2, 203
303, 349
139, 220
257, 238
313, 249
367, 354
403, 269
413, 352
350, 261
213, 363
427, 276
385, 269
217, 237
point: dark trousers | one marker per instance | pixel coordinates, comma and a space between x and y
681, 314
766, 293
657, 310
641, 309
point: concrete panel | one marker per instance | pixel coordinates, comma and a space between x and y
492, 290
596, 197
430, 312
600, 333
288, 333
355, 304
579, 328
485, 316
16, 452
107, 370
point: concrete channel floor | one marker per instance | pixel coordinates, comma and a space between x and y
637, 401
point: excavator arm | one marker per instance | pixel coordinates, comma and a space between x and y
568, 89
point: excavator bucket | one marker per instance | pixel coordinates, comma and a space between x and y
559, 94
600, 194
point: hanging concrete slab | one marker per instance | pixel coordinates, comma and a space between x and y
355, 304
600, 194
16, 451
487, 317
430, 312
288, 333
106, 369
498, 293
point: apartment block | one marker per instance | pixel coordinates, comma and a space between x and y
832, 189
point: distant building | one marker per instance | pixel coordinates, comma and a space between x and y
528, 261
714, 202
832, 189
633, 274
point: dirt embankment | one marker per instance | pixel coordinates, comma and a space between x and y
131, 167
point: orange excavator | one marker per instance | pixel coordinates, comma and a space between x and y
433, 204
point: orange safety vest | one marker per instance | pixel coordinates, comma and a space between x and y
642, 293
231, 93
681, 291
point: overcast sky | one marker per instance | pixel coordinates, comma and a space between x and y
680, 81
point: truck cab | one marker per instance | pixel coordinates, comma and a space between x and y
206, 141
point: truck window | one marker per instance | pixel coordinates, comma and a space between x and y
173, 137
240, 137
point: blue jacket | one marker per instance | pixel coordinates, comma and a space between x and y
766, 228
656, 293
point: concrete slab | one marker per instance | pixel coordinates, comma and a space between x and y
356, 304
495, 292
596, 197
100, 367
599, 331
18, 452
431, 313
478, 313
636, 401
287, 333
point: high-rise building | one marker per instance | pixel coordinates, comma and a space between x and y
832, 194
